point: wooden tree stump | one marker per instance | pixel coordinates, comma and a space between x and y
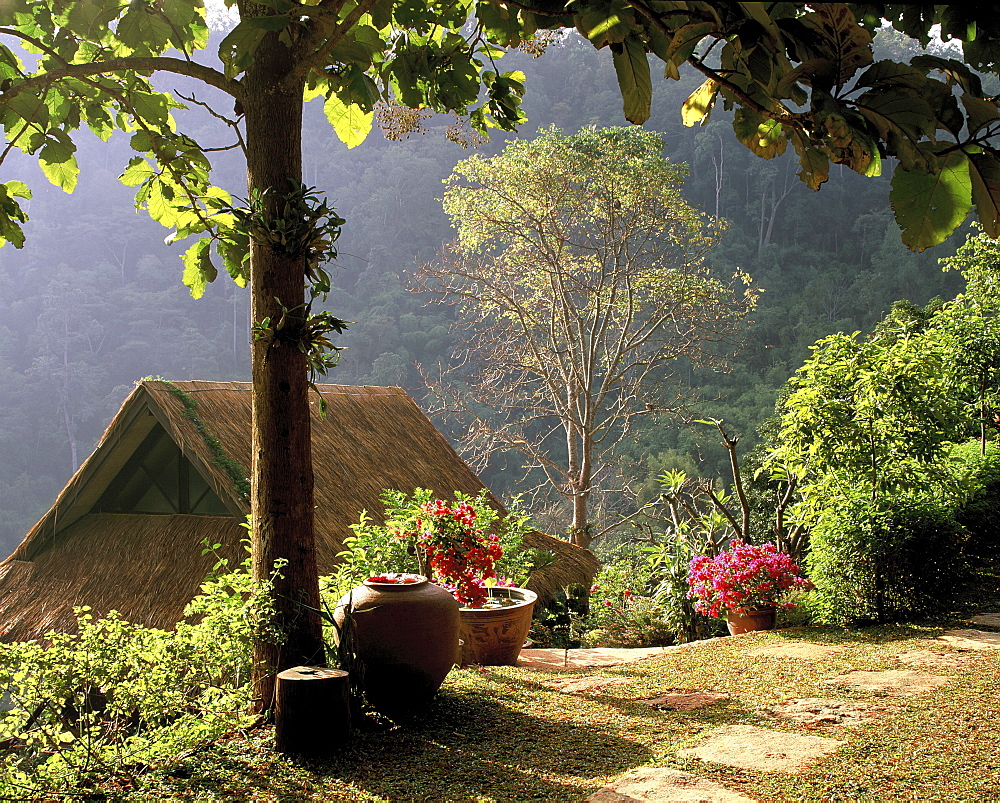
312, 715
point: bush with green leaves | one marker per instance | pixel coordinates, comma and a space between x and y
900, 558
977, 472
627, 608
115, 697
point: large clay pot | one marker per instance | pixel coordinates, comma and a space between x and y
493, 636
750, 620
407, 638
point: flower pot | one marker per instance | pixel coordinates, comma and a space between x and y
493, 635
407, 638
750, 620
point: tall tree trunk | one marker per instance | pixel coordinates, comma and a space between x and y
282, 482
579, 470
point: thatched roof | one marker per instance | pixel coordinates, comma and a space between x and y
86, 551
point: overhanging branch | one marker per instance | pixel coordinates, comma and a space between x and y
140, 64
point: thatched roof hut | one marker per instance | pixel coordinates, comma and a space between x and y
170, 473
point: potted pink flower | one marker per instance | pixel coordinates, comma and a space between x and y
745, 584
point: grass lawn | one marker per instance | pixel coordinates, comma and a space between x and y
501, 735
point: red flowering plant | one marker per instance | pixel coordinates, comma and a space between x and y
460, 544
742, 578
455, 551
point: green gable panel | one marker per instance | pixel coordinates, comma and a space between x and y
158, 479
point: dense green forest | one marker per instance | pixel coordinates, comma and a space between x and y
94, 301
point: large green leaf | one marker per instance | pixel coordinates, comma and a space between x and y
675, 50
814, 162
91, 19
349, 120
275, 22
632, 68
979, 112
697, 108
237, 49
929, 206
984, 170
143, 31
138, 172
59, 165
887, 73
766, 138
500, 23
836, 36
606, 22
11, 214
198, 267
902, 119
956, 71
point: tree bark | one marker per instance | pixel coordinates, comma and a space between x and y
282, 479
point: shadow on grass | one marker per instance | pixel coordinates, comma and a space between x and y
473, 746
725, 711
863, 634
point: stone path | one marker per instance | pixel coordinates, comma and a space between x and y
751, 748
800, 650
550, 659
690, 700
891, 681
754, 748
663, 785
559, 660
971, 639
823, 711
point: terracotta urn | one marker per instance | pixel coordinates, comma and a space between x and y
493, 635
751, 620
407, 638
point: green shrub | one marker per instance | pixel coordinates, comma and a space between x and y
561, 623
899, 558
979, 511
633, 621
622, 611
115, 695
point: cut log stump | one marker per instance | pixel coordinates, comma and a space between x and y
312, 714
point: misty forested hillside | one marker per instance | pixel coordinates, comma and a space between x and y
94, 301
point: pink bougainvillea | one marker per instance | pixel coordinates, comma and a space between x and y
743, 578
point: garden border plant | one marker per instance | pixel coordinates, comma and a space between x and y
117, 697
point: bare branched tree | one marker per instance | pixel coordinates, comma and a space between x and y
580, 280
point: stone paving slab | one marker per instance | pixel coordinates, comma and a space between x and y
824, 711
801, 650
891, 681
555, 660
663, 785
971, 639
752, 748
933, 659
987, 619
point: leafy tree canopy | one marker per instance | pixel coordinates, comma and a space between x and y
806, 76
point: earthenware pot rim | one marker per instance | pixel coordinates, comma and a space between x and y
528, 597
420, 582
